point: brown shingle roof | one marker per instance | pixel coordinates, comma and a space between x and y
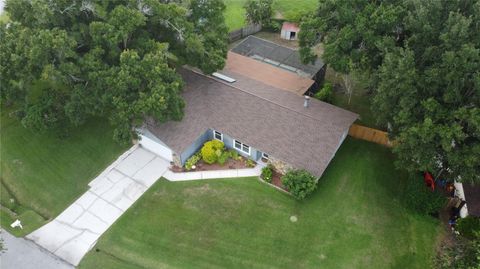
268, 74
304, 137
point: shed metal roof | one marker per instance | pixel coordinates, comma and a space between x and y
274, 54
290, 26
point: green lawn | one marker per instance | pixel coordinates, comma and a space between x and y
359, 104
355, 219
235, 13
44, 174
290, 9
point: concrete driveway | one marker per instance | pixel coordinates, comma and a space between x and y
76, 230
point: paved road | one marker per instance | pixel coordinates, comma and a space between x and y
76, 230
24, 254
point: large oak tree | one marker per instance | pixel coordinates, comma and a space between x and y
64, 61
425, 61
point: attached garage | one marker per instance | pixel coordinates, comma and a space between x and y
156, 146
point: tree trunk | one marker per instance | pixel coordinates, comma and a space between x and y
347, 83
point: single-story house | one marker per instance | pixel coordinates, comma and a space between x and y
289, 31
282, 58
254, 118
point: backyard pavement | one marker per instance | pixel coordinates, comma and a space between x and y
76, 230
24, 254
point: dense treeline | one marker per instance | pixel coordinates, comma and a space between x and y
64, 61
422, 59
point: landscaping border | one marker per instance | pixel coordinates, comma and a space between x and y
227, 173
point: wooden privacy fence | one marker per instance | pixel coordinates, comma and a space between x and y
243, 32
370, 134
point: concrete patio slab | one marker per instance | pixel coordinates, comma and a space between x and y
76, 230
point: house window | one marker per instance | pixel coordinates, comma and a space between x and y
264, 156
217, 135
242, 147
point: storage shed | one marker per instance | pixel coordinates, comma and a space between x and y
289, 31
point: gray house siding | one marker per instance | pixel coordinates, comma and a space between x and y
227, 140
195, 146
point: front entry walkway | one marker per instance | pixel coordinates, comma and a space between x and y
76, 230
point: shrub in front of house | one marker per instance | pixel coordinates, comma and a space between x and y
267, 174
192, 161
422, 199
211, 150
234, 154
325, 93
250, 163
468, 226
223, 158
300, 183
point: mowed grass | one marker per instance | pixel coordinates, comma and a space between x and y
355, 219
41, 174
288, 9
234, 14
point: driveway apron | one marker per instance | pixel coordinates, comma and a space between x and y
76, 230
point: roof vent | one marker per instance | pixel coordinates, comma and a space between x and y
307, 100
223, 77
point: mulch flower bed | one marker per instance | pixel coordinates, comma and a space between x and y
277, 180
202, 166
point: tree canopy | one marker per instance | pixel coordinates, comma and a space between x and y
425, 57
62, 62
259, 11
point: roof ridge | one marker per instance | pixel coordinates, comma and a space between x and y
263, 98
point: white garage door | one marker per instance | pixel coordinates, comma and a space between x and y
156, 148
